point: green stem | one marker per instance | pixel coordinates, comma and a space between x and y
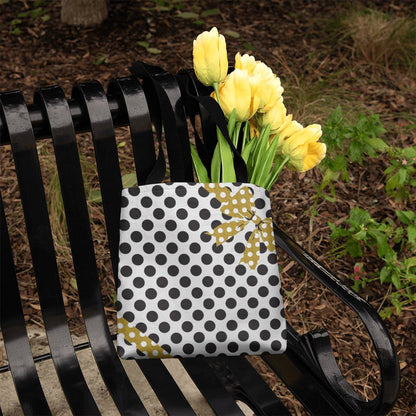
236, 133
217, 91
276, 173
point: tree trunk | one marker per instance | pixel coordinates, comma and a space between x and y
84, 12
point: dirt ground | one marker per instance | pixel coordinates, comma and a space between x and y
295, 39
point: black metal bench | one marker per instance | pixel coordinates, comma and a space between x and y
308, 367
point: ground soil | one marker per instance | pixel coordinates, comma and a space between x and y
288, 36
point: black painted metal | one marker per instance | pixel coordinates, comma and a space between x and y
13, 327
308, 367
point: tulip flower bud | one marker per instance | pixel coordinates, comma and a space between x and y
210, 57
276, 116
303, 148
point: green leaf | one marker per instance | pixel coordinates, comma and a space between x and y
379, 144
121, 144
23, 14
411, 234
216, 164
95, 196
249, 47
45, 17
406, 217
385, 274
245, 154
263, 177
188, 15
395, 278
227, 164
211, 12
200, 169
129, 180
232, 33
15, 31
154, 51
143, 43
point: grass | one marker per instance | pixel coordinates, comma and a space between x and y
381, 40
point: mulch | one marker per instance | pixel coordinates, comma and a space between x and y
285, 34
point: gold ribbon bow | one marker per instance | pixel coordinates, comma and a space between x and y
240, 206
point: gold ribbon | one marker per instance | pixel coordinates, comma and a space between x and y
239, 206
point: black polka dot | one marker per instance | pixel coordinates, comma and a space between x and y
192, 202
218, 270
183, 236
142, 327
124, 202
149, 271
240, 269
173, 270
169, 202
175, 316
274, 302
205, 237
171, 225
126, 271
247, 235
136, 236
264, 313
253, 324
252, 280
194, 225
210, 348
204, 214
181, 213
120, 351
138, 282
154, 337
185, 281
221, 336
263, 291
209, 303
174, 293
275, 324
276, 345
254, 346
207, 281
262, 269
263, 248
119, 305
217, 249
272, 258
220, 314
198, 315
229, 258
195, 248
124, 225
230, 281
147, 225
160, 236
232, 325
259, 203
241, 292
162, 282
172, 248
186, 304
188, 349
239, 248
243, 335
273, 280
199, 337
176, 338
197, 292
163, 304
253, 303
265, 335
161, 259
164, 327
167, 348
184, 259
206, 259
135, 213
215, 203
152, 316
196, 270
242, 313
231, 303
180, 190
219, 292
137, 259
215, 224
134, 191
151, 293
203, 192
232, 347
187, 326
125, 248
157, 190
209, 326
128, 316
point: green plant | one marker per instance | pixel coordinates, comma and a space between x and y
29, 16
391, 242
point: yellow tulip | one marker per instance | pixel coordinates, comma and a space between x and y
303, 149
238, 91
246, 62
210, 57
276, 116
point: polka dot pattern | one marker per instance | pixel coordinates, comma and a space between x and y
185, 292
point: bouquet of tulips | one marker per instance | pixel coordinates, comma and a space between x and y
258, 124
